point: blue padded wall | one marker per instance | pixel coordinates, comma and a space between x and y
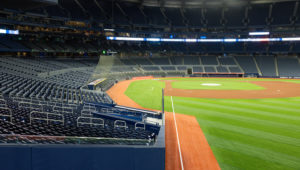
76, 157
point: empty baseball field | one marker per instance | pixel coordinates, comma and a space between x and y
248, 123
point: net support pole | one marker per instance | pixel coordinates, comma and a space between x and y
163, 101
163, 106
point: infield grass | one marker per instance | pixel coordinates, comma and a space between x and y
222, 85
243, 133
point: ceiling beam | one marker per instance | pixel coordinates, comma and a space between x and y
101, 9
200, 3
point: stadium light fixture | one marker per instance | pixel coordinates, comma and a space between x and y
172, 40
259, 33
210, 40
225, 40
111, 38
2, 31
253, 39
153, 39
190, 40
109, 29
230, 40
129, 39
291, 39
258, 39
12, 32
275, 39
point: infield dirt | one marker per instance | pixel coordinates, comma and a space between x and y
273, 89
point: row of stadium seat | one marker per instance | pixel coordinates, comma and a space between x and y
17, 118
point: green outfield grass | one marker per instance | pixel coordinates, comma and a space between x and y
148, 91
243, 133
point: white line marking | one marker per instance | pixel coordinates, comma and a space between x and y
181, 162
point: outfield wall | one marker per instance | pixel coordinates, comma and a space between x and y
29, 157
84, 157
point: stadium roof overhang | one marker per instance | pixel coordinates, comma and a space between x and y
26, 4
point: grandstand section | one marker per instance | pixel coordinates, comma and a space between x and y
84, 84
267, 65
47, 102
23, 88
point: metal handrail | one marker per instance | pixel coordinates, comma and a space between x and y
63, 109
3, 105
90, 121
39, 108
10, 113
20, 103
47, 119
120, 126
139, 123
93, 108
86, 112
75, 137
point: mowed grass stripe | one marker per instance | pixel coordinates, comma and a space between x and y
236, 109
226, 166
261, 153
248, 162
287, 129
290, 131
240, 105
295, 99
283, 103
275, 146
253, 108
260, 105
253, 126
280, 106
250, 132
280, 103
222, 105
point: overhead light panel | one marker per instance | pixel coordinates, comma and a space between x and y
109, 29
187, 40
153, 39
259, 33
5, 31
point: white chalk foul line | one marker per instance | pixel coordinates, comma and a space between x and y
179, 149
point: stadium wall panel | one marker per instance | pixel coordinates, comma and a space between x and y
77, 157
15, 157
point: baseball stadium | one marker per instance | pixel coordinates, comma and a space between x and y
149, 85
